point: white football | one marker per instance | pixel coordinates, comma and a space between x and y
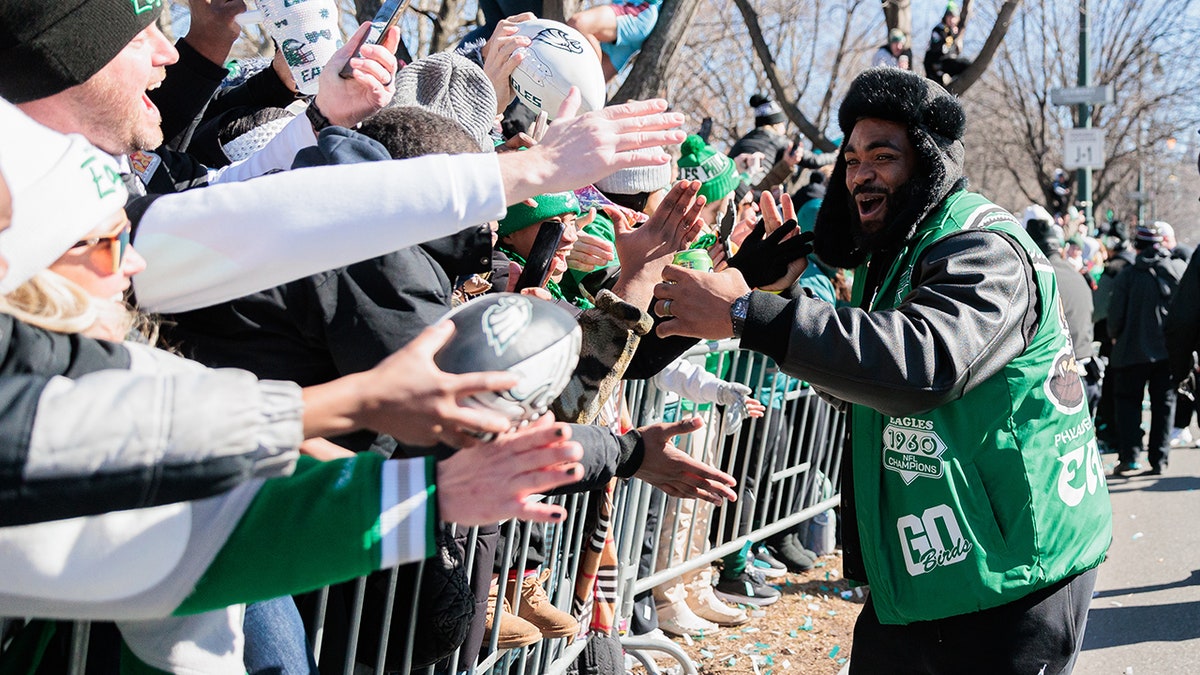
532, 338
559, 58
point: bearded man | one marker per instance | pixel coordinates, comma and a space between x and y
974, 498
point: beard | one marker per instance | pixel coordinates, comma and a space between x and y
894, 228
118, 123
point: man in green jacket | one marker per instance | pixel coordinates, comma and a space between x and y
975, 502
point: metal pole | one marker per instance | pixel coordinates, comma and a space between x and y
1084, 177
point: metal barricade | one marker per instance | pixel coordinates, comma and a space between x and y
791, 457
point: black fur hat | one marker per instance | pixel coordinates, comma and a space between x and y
936, 123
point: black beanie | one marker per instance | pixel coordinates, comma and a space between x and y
766, 111
54, 45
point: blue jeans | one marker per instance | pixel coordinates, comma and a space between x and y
275, 640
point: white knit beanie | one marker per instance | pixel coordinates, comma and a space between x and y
454, 87
633, 180
62, 187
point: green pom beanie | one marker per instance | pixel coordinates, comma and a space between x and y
715, 171
521, 216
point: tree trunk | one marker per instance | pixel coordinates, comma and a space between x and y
973, 72
645, 80
559, 10
898, 14
777, 79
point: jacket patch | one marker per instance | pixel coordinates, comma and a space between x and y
144, 164
913, 449
932, 540
1064, 383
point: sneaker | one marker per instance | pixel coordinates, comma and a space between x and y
1155, 469
747, 588
537, 609
1126, 468
1181, 437
708, 606
792, 553
679, 620
515, 632
764, 563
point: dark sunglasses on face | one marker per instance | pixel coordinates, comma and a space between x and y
117, 245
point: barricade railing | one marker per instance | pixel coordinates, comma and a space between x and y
786, 462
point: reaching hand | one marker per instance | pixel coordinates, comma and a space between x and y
501, 57
348, 101
773, 255
676, 473
589, 251
674, 225
487, 482
578, 151
414, 401
697, 303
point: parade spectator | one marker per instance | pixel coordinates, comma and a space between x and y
208, 255
1120, 255
943, 58
895, 54
1141, 294
617, 30
1182, 332
955, 344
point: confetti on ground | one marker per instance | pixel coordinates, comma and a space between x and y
1138, 535
833, 652
846, 595
749, 629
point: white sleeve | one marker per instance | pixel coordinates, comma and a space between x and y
225, 241
689, 381
276, 155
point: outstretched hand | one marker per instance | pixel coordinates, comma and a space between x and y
644, 251
578, 151
677, 473
487, 482
411, 399
774, 254
348, 101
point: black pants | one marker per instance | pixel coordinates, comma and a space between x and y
1038, 634
1185, 408
1130, 387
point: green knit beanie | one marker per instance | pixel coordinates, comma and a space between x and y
715, 171
521, 216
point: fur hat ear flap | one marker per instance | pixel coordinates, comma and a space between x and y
833, 233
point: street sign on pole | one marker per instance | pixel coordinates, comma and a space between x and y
1084, 148
1082, 95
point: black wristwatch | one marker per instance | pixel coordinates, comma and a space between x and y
317, 118
737, 314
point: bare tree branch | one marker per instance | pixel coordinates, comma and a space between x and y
973, 72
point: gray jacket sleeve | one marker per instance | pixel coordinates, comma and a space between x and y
972, 309
129, 426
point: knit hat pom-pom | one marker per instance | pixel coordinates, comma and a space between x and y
693, 145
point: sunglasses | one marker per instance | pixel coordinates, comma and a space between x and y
117, 245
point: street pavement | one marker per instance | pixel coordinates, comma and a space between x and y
1145, 615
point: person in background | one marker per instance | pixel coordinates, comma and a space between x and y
943, 58
895, 54
1141, 294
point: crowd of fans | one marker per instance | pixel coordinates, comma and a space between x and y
221, 302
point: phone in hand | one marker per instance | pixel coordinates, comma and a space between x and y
537, 264
705, 129
725, 230
388, 15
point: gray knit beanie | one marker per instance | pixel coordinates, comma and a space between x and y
451, 86
633, 180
